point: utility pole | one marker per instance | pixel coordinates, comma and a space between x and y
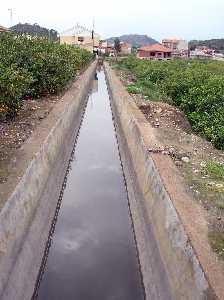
10, 11
93, 33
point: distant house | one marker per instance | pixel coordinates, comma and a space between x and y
80, 36
200, 54
154, 52
125, 48
110, 50
103, 43
203, 52
103, 46
179, 47
4, 29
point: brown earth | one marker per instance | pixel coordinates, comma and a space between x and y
190, 154
14, 132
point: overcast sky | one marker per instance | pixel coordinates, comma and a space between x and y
188, 19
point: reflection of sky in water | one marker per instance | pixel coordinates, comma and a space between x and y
108, 168
73, 241
93, 255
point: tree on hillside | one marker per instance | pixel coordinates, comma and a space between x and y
35, 30
117, 45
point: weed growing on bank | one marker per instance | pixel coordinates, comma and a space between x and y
215, 170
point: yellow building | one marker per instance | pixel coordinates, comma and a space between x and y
80, 36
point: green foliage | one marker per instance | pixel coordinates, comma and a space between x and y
195, 86
117, 45
220, 205
133, 89
33, 67
14, 83
215, 170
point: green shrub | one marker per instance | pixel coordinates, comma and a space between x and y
14, 83
195, 86
133, 89
215, 170
31, 66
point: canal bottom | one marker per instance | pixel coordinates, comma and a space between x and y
93, 253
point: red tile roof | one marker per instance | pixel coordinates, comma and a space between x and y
155, 47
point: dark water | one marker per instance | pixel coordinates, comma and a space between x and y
93, 254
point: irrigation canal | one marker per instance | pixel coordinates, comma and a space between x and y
93, 254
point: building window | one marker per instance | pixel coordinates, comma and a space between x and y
80, 39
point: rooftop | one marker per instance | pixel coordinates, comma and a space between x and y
155, 47
79, 30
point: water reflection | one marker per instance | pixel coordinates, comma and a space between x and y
93, 255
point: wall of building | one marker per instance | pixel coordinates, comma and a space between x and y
70, 40
175, 45
149, 55
182, 45
75, 40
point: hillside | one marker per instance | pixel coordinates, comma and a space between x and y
35, 30
217, 44
135, 39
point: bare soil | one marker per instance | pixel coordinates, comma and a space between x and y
190, 153
14, 132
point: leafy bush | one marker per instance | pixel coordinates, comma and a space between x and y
31, 66
133, 89
14, 83
195, 86
215, 170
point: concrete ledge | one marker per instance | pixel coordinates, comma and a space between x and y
26, 216
171, 231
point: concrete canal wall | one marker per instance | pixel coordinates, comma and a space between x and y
170, 229
26, 217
